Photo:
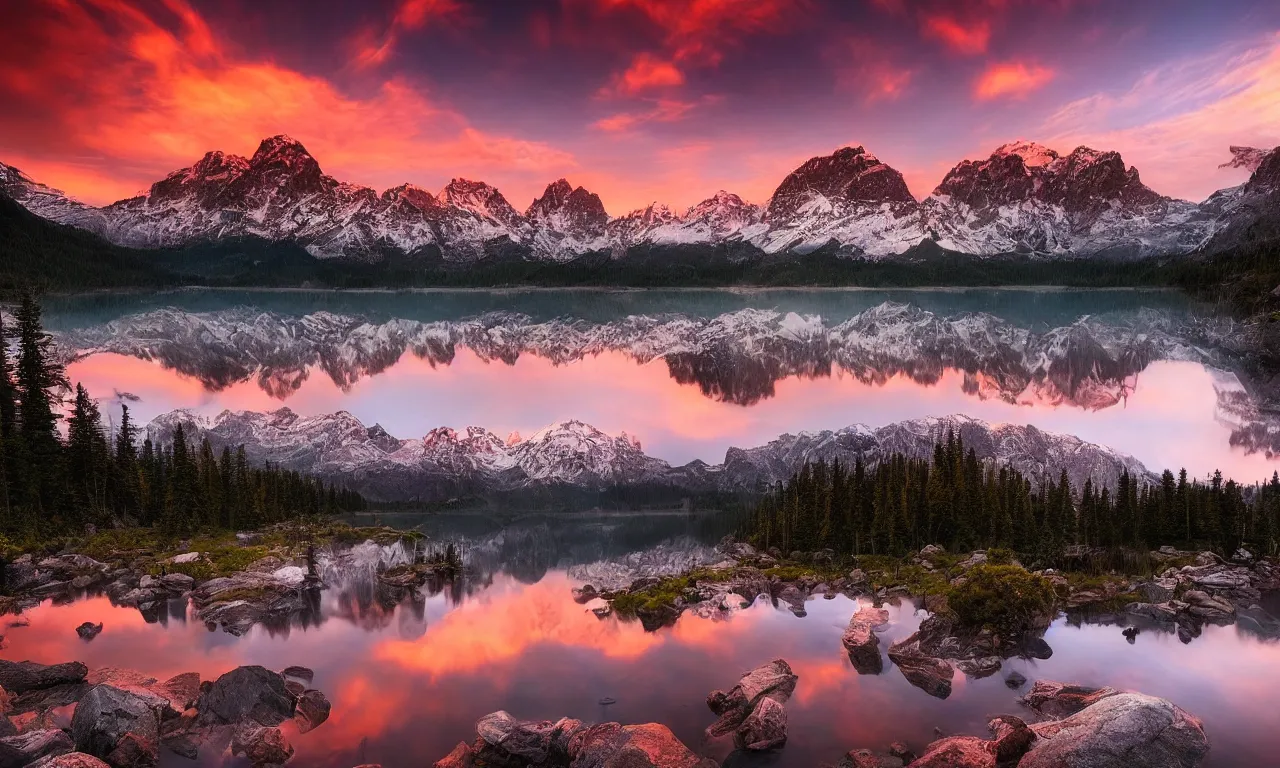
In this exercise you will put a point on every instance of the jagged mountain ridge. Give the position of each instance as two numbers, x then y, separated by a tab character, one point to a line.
445	463
734	357
1024	198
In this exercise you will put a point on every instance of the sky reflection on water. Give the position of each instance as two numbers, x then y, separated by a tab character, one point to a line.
408	683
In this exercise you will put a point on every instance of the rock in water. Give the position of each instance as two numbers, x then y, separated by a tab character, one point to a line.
89	630
460	757
1054	699
933	676
1124	730
106	715
312	710
22	676
261	746
753	709
635	746
957	752
247	693
861	642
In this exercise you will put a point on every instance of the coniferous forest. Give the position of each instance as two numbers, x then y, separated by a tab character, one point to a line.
54	485
955	500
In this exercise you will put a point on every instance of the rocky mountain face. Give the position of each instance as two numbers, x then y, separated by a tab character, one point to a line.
1026	197
445	463
1250	213
1023	198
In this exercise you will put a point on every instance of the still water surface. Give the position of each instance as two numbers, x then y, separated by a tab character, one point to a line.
409	682
690	373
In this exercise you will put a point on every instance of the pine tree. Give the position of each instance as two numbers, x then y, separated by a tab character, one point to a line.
39	378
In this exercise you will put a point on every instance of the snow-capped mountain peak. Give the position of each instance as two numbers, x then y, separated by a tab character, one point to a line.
1033	155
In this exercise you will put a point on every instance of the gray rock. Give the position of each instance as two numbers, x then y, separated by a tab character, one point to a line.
1153	611
634	746
983	666
301	674
462	756
1157	590
933	676
26	748
774	679
260	745
865	758
766	726
89	630
1013	737
956	752
1054	699
23	676
1125	730
246	693
1206	607
177	582
528	740
312	710
107	713
860	640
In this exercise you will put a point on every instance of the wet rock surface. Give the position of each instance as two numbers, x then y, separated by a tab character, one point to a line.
861	642
754	710
505	742
126	719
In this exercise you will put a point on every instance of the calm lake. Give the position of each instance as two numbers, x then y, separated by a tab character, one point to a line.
689	374
408	682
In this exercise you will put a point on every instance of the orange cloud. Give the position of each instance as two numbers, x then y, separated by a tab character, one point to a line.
120	86
965	39
665	111
1012	79
646	72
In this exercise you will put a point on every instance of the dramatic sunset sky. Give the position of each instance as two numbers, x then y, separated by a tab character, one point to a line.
637	100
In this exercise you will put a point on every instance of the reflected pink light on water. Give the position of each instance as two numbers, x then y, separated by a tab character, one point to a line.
1170	419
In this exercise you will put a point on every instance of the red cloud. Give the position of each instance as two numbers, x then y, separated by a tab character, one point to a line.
865	66
1014	79
699	29
967	39
647	71
117	88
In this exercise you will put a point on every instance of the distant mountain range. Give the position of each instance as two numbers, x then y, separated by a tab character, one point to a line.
1023	199
447	464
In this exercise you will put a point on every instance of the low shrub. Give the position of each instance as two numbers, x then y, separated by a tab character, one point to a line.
1003	598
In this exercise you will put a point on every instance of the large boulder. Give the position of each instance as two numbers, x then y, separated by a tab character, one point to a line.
107	714
462	756
635	746
753	709
22	676
957	752
1125	730
246	693
26	748
529	740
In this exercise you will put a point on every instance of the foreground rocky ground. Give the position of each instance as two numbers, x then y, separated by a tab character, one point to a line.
66	716
1059	725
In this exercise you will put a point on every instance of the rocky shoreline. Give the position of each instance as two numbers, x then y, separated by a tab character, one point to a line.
1188	591
1059	725
66	716
269	577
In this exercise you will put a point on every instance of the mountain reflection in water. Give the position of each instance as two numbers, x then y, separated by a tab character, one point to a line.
408	680
691	373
